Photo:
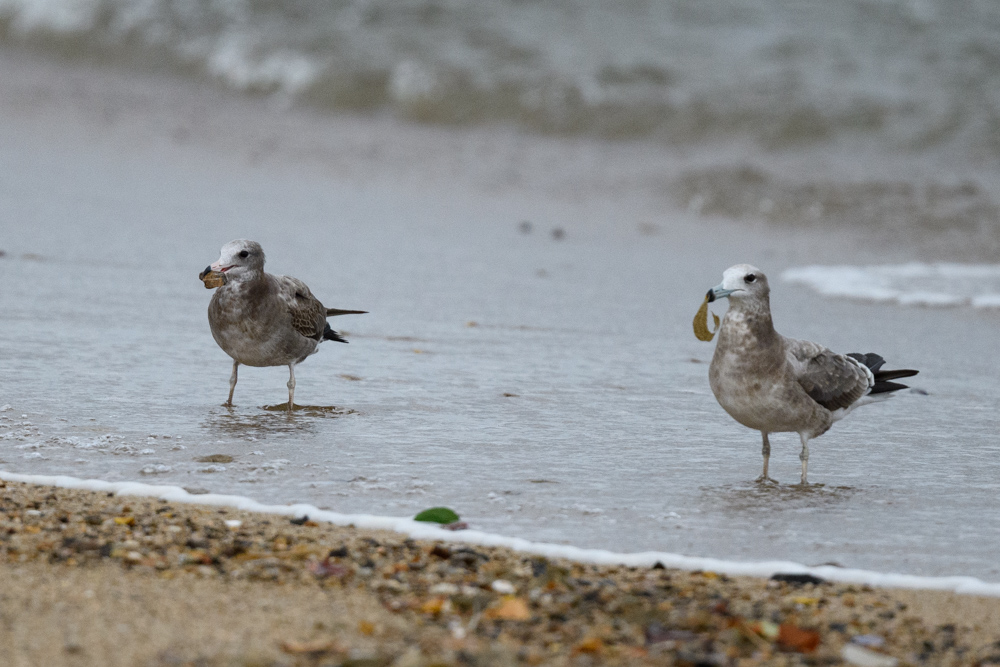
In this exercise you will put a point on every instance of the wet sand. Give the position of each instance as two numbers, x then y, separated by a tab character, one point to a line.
98	579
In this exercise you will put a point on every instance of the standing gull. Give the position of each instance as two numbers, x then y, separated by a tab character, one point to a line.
260	319
775	384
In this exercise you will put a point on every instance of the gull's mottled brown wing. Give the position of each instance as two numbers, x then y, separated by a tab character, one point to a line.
832	380
307	313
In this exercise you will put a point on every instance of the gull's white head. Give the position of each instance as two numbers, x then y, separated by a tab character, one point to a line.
741	283
239	258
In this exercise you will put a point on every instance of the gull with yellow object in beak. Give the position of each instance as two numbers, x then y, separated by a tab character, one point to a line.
260	319
774	384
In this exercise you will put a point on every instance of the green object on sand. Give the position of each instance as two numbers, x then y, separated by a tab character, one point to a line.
437	515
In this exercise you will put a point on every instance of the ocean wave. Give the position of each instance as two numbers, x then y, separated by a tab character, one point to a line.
911	74
913	284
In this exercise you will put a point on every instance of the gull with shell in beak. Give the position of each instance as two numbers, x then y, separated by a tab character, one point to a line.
775	384
260	319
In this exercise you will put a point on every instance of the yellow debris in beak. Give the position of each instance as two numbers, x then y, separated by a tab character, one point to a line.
212	279
701	322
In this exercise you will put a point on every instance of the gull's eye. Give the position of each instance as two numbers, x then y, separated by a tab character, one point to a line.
749	278
244	254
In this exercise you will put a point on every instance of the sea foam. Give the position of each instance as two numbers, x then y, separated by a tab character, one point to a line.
914	284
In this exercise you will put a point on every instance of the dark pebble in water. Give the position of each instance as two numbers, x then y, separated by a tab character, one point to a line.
524	227
659	566
196	490
797	579
300	521
558	233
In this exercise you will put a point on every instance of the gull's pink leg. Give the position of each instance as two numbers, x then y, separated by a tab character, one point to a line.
804	456
765	450
232	384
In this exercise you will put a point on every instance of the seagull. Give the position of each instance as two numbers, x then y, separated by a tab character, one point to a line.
260	319
775	384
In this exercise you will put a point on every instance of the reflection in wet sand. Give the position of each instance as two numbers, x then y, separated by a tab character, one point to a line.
753	496
311	410
244	425
274	421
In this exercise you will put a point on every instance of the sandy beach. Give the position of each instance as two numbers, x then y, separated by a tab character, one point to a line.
97	579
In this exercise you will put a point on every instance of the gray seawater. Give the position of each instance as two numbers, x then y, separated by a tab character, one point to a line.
545	388
915	75
914	82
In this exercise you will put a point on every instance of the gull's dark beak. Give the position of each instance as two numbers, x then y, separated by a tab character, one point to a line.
719	292
201	276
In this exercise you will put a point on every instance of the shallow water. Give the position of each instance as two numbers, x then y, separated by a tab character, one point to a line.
549	388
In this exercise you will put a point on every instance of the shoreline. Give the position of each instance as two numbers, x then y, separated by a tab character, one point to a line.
83	565
958	584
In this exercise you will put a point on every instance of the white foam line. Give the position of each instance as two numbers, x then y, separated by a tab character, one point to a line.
893	283
427	531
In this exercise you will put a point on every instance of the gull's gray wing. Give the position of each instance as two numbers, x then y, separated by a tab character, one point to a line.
307	313
833	380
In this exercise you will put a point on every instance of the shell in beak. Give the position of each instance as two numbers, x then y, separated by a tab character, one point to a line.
212	279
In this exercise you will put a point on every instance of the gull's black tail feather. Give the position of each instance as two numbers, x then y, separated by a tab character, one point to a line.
330	334
886	387
882	378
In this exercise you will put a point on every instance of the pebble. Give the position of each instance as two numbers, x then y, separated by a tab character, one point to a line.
872	641
502	586
444	588
858	655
